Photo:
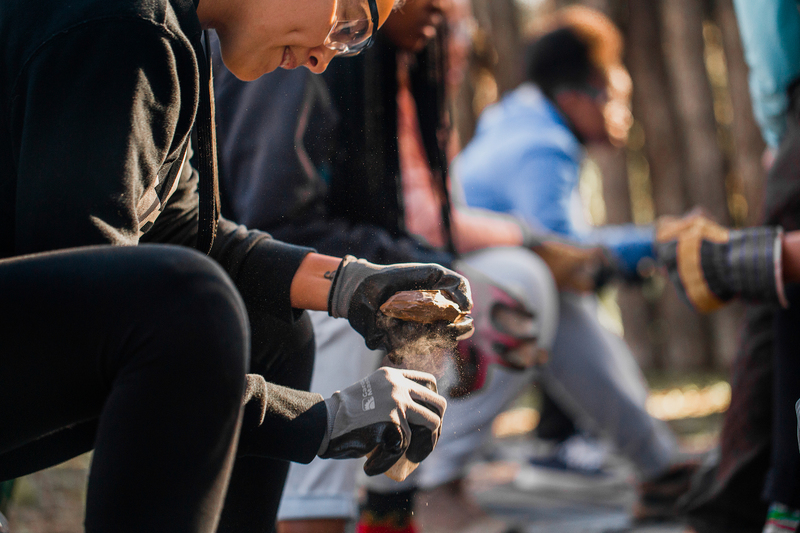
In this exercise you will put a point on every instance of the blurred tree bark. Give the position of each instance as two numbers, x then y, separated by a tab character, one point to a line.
703	163
680	338
747	140
499	20
495	62
652	108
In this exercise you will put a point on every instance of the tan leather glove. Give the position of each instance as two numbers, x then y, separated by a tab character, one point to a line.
710	264
575	268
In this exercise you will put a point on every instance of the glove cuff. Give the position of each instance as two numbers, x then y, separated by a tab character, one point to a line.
337	308
530	238
349	275
754	259
332	406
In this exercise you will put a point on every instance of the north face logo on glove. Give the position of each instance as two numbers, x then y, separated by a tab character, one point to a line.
368	404
368	400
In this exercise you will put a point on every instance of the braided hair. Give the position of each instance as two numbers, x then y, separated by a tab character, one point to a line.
365	182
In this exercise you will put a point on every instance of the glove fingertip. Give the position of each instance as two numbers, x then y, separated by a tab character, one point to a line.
380	460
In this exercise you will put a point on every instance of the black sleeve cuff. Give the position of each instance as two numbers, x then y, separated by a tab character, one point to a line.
261	267
281	423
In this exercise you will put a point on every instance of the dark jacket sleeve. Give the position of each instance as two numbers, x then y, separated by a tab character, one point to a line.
272	410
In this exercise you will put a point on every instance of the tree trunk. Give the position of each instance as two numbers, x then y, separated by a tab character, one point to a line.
636	312
704	167
747	140
494	64
652	108
499	20
680	337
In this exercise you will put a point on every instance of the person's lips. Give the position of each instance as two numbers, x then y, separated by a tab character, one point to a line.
289	61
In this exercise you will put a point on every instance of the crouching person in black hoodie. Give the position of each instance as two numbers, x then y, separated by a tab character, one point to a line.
178	367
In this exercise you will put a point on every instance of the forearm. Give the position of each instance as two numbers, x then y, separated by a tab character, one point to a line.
790	259
312	282
475	229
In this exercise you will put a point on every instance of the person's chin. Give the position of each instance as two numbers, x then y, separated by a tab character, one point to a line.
246	70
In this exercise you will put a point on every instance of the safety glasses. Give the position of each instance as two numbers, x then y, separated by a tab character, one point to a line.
350	36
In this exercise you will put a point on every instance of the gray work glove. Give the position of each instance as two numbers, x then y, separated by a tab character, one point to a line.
359	288
386	414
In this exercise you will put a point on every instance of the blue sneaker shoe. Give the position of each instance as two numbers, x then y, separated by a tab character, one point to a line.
578	463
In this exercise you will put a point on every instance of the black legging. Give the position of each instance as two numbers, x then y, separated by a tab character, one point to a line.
284	354
139	353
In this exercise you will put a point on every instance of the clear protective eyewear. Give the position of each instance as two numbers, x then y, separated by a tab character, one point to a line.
352	36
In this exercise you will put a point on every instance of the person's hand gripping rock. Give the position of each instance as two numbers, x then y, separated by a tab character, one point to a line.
389	414
359	288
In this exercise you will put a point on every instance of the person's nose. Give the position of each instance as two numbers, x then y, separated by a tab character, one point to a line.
318	59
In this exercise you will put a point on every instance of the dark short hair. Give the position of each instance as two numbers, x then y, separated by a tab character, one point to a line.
559	60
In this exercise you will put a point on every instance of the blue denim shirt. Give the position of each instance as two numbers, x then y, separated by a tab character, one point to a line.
524	160
770	33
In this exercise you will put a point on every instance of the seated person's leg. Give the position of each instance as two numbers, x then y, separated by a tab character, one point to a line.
586	375
150	345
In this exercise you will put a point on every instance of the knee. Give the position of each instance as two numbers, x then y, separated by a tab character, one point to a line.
526	277
203	325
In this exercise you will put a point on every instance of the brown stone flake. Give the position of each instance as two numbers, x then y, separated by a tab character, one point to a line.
425	306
